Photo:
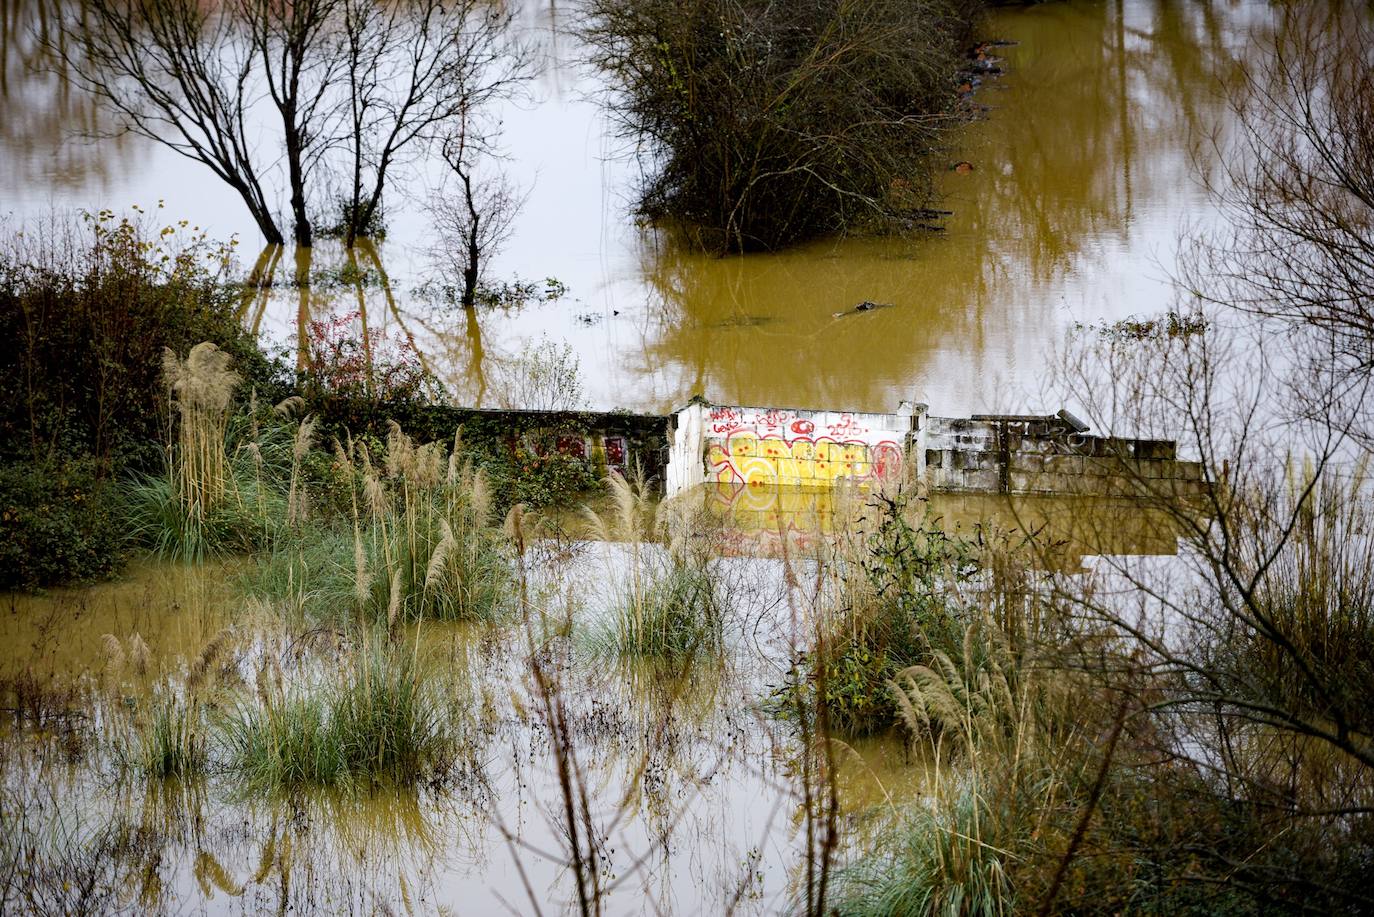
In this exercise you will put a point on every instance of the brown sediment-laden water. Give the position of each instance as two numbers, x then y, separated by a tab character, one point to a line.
1083	171
694	773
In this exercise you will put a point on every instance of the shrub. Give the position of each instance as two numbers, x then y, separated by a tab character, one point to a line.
894	600
58	523
88	309
346	364
765	123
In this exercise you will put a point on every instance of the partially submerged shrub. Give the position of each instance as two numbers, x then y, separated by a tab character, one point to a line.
345	362
375	721
764	123
894	599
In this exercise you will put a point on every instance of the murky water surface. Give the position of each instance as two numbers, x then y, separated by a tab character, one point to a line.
692	778
1082	177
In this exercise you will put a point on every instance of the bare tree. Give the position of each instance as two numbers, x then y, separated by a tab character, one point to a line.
473	217
181	74
293	42
414	69
371	82
1297	188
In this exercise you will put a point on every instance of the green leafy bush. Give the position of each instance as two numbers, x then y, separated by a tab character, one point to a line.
57	524
895	601
86	309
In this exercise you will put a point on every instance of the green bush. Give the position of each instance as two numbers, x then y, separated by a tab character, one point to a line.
86	309
57	524
894	604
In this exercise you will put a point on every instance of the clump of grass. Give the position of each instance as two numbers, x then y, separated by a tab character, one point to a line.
173	743
419	541
933	860
664	599
167	736
374	723
224	488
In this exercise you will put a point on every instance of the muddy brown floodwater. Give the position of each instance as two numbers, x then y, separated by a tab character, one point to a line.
692	778
1083	174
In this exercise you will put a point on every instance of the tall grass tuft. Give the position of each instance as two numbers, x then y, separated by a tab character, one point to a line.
172	744
420	542
1001	729
165	734
201	390
224	489
664	597
375	722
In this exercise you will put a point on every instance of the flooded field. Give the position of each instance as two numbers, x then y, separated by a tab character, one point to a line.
688	777
694	773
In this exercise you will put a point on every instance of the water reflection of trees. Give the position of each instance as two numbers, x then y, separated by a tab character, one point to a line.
286	289
1089	138
44	111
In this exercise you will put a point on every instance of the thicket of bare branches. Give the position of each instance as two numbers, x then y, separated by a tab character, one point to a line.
1248	660
1297	189
764	123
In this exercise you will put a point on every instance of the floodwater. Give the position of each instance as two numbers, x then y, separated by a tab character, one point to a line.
691	781
1083	176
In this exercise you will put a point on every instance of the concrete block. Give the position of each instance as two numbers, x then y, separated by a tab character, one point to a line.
1155	449
1065	464
1188	471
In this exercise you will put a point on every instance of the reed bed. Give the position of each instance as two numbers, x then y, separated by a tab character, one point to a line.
225	486
416	541
1007	783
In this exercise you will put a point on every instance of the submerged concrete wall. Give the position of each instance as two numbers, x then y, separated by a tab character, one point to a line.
771	447
758	449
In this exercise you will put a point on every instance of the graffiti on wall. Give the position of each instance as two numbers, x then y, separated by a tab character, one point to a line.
756	450
614	450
